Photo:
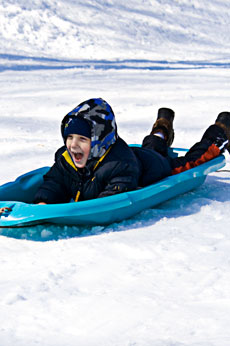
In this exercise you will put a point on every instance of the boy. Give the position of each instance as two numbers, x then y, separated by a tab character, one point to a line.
96	162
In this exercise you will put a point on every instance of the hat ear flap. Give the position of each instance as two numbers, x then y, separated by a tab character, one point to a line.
63	123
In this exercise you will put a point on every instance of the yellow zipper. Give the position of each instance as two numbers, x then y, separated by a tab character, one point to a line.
77	196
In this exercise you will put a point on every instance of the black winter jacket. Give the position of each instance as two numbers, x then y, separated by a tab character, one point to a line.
117	171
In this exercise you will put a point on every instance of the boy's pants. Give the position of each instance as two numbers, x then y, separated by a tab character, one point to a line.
212	144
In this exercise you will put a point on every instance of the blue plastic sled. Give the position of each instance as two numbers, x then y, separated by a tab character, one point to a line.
18	196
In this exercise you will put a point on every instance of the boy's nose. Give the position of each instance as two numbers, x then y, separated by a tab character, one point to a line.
75	140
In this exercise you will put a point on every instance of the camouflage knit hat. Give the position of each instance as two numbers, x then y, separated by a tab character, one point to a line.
101	119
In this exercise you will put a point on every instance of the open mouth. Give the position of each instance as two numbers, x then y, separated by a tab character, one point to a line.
77	156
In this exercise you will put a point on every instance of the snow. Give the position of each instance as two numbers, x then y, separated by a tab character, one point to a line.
161	278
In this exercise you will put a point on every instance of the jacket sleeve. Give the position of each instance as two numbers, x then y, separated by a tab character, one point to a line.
123	177
52	189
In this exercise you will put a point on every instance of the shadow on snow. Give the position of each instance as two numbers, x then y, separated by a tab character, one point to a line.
10	62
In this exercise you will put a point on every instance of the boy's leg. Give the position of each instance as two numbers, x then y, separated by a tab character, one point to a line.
162	134
223	120
214	141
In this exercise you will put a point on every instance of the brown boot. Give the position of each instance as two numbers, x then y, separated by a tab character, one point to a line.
164	124
223	121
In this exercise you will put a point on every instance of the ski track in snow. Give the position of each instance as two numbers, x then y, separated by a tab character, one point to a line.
25	63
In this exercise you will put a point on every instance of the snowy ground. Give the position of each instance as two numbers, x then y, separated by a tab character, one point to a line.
161	278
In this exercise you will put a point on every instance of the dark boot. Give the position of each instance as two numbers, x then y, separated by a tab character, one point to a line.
164	124
223	121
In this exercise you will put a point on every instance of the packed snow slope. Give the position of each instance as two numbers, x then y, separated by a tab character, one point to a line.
161	278
99	29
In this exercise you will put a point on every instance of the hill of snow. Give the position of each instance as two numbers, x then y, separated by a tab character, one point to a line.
161	278
102	29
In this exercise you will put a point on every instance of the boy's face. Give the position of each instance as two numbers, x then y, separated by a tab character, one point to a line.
79	148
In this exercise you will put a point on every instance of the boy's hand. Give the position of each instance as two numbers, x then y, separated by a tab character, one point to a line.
108	193
5	209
